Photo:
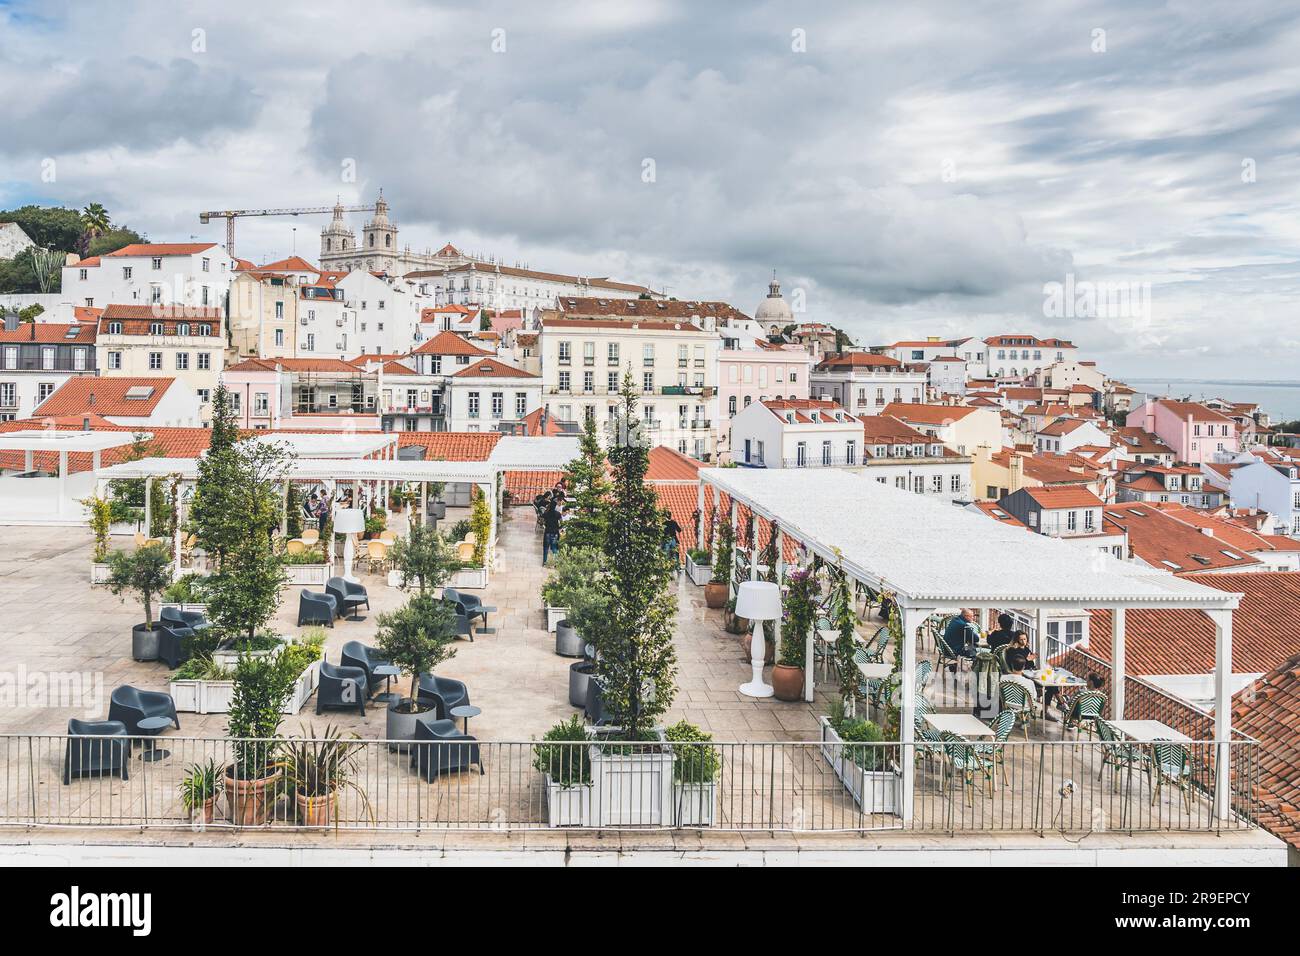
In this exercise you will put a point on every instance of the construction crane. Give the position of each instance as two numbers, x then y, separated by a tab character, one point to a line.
230	215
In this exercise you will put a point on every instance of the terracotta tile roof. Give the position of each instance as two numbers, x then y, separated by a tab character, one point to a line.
451	446
1064	497
1269	711
1264	631
397	368
449	343
291	264
85	313
1145	483
141	319
668	464
51	333
104	396
162	249
524	486
928	414
1139	440
1022	340
166	442
575	306
295	365
492	268
929	343
493	368
998	513
1062	426
532	423
1189	411
650	325
1017	394
1162	542
90	262
851	360
802	408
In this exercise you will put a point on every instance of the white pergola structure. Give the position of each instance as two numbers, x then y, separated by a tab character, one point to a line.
932	556
518	454
64	443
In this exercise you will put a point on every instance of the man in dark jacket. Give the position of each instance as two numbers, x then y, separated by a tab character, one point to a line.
1004	633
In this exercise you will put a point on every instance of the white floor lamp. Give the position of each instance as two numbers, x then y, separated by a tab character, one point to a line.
347	522
758	601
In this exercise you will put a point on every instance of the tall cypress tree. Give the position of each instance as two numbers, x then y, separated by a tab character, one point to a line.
587	482
214	500
636	661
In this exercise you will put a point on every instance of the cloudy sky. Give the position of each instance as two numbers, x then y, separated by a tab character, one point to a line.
905	171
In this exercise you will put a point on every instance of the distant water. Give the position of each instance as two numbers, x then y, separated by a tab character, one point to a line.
1280	399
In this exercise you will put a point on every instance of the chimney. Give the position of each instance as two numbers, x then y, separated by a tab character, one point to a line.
91	400
1016	468
11	321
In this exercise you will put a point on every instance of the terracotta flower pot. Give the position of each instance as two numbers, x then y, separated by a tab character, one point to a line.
250	801
787	682
715	595
316	811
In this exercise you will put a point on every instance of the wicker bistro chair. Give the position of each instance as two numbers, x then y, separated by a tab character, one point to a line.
927	740
964	759
1116	754
310	536
1003	724
377	553
924	671
388	537
877	646
1171	763
295	546
945	656
1015	698
1085	711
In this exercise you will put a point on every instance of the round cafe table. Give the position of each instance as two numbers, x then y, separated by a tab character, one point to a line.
149	727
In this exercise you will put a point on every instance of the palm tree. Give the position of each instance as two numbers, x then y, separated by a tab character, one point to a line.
94	223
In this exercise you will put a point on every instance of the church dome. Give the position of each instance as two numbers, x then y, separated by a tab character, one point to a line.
774	310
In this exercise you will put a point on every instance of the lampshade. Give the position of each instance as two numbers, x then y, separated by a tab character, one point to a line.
758	601
349	521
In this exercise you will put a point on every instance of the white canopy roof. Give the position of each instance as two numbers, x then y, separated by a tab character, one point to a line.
515	452
50	439
320	469
330	445
927	550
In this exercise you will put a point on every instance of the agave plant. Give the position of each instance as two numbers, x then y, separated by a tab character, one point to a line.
199	785
321	763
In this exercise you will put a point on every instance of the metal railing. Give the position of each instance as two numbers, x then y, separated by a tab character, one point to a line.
829	785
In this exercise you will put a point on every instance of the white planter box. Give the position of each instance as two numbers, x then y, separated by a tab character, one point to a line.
98	573
395	578
694	803
874	791
125	527
470	579
308	574
229	657
632	789
699	574
554	615
213	696
567	806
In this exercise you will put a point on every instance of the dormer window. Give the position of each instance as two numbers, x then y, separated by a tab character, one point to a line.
115	328
155	328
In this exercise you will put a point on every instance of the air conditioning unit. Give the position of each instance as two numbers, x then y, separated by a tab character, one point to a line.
339	346
303	320
339	323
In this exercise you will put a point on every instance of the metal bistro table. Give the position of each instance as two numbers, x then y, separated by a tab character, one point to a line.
387	672
152	726
465	712
963	725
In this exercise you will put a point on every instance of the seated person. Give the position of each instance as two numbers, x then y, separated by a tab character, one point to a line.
1004	632
1095	683
1015	672
962	634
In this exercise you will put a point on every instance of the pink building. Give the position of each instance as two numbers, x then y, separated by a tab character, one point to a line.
751	370
1195	433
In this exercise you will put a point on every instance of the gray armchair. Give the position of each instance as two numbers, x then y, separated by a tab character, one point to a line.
356	654
440	748
442	692
130	705
348	595
191	619
95	748
316	607
341	687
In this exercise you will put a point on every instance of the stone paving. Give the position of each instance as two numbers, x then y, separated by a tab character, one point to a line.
52	621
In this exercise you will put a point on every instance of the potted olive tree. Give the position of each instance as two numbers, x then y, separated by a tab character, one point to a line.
144	572
261	686
718	588
417	637
788	674
571	588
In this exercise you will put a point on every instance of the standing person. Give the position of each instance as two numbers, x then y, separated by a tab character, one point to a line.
550	530
322	514
671	530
